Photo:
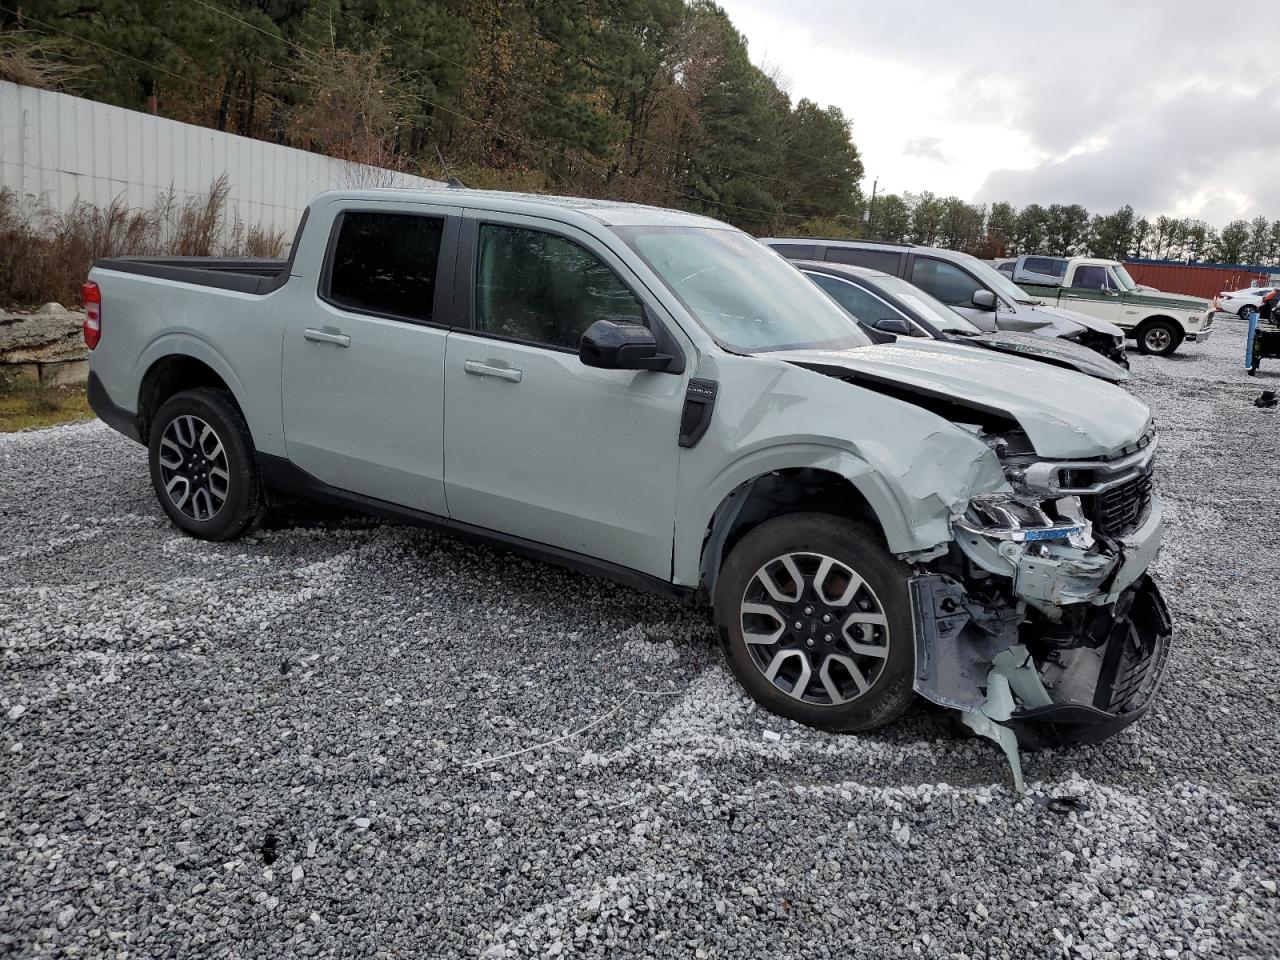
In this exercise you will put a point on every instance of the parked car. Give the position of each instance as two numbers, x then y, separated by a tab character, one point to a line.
888	307
969	285
1158	321
1241	302
654	397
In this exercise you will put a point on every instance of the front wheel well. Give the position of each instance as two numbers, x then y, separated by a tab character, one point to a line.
774	494
167	376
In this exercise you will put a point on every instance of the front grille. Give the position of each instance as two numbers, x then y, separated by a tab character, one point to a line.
1119	510
1208	321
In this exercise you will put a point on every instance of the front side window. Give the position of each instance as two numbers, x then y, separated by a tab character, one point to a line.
545	289
862	305
945	281
1090	278
386	263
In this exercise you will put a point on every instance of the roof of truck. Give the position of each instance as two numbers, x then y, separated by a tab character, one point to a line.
610	212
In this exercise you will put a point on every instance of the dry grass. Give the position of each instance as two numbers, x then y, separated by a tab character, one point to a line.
27	403
45	254
36	61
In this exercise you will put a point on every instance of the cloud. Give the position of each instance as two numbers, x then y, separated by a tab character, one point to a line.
929	148
1160	104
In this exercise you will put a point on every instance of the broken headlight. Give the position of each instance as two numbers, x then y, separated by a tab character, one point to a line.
1003	516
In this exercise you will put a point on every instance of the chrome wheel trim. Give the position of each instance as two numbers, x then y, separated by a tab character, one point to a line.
193	467
814	628
1157	339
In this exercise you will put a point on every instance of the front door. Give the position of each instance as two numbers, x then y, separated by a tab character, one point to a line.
955	287
364	359
1094	291
538	445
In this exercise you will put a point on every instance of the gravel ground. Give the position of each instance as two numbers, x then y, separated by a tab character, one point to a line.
332	739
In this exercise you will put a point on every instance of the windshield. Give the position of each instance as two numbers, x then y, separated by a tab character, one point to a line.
1122	275
742	293
933	310
993	278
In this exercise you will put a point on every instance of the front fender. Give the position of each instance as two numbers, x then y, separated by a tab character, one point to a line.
914	468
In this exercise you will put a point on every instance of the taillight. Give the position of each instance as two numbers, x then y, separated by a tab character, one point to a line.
91	298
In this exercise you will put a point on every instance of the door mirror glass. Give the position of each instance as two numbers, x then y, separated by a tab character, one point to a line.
621	345
894	325
984	299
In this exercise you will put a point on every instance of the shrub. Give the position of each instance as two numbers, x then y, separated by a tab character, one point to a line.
45	254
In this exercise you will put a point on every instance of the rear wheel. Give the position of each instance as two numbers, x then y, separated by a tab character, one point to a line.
1159	337
814	616
203	466
1244	311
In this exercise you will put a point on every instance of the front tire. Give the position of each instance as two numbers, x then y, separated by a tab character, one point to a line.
1243	312
815	619
203	466
1159	338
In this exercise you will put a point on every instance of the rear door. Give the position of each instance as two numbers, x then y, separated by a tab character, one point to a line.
364	356
538	445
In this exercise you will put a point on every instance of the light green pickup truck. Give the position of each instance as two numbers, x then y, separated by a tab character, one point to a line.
1158	321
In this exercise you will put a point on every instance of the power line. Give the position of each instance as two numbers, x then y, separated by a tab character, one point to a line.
507	133
476	71
120	53
493	127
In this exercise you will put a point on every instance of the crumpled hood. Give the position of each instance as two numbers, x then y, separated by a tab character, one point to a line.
1051	350
1065	414
1057	322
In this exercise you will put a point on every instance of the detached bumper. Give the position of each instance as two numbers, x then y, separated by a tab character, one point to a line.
1072	653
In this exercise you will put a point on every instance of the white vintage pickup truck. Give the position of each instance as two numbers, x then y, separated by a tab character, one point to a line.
1158	321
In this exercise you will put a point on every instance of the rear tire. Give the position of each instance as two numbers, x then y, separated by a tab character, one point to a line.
203	465
830	613
1243	312
1159	337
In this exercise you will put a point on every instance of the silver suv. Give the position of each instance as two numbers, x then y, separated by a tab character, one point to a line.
658	398
982	294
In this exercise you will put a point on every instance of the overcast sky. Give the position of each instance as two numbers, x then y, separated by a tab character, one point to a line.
1173	107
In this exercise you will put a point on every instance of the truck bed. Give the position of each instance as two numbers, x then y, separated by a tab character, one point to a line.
244	275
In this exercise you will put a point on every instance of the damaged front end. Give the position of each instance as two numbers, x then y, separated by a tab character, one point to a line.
1040	623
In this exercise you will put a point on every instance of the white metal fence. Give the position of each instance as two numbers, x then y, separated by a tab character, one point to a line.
57	149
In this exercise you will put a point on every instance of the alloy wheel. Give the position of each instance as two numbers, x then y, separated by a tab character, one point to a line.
1157	339
193	467
815	628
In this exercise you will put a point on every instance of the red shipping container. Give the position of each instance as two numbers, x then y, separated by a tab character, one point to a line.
1197	280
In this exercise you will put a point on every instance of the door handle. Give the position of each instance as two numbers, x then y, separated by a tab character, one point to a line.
323	336
478	369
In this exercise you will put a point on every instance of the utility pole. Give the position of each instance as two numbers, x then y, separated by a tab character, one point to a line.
871	207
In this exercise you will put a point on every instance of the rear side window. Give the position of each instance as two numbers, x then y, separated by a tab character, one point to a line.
386	263
885	260
545	289
796	251
945	281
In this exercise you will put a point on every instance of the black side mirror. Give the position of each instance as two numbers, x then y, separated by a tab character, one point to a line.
621	345
984	299
894	325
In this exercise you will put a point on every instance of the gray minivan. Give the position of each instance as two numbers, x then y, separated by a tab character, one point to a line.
974	288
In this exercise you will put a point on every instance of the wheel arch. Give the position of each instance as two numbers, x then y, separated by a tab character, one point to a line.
825	481
177	367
